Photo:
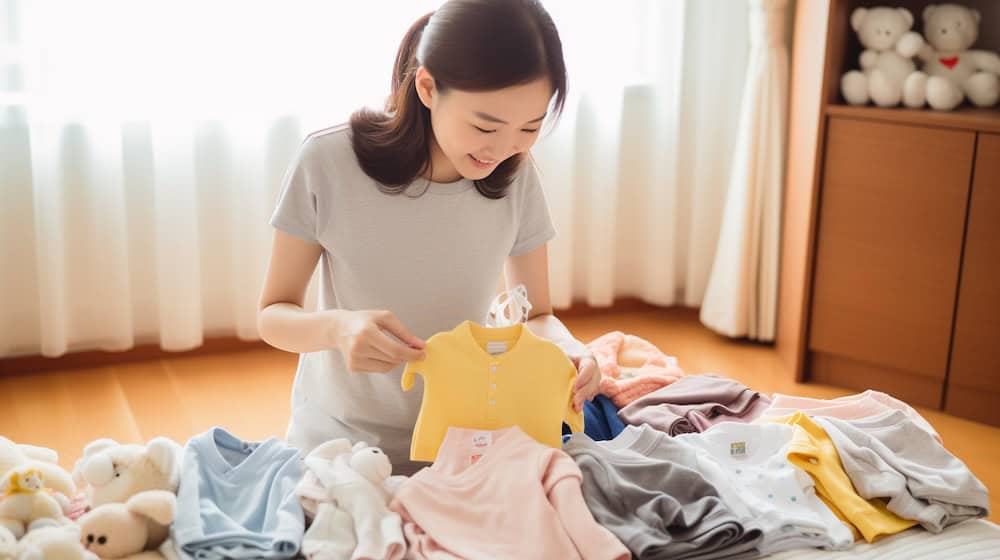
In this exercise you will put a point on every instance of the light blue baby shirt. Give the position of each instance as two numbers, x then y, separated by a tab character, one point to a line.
237	499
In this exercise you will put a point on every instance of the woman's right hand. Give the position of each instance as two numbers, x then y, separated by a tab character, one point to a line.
362	340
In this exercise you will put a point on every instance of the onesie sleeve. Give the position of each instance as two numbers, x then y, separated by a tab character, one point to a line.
534	225
413	368
561	480
296	209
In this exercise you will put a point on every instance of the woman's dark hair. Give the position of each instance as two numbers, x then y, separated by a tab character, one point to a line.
468	45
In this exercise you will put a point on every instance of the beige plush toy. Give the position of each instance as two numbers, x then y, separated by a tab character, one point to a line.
44	460
116	530
8	544
883	69
353	519
52	543
112	472
25	501
951	70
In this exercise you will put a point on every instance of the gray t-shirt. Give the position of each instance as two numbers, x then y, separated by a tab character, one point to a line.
434	260
892	456
645	488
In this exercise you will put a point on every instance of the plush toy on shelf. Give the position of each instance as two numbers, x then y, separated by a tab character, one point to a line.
951	71
883	68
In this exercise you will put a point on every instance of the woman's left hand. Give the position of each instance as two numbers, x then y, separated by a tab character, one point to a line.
588	381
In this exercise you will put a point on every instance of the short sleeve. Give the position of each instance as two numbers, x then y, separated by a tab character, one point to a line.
423	367
410	372
296	210
534	225
557	466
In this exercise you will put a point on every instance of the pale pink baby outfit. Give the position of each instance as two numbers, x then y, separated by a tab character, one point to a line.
852	407
500	494
631	367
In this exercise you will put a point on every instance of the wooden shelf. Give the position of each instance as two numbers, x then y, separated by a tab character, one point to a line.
964	118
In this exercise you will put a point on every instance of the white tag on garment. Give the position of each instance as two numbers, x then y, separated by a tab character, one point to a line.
738	449
482	440
495	348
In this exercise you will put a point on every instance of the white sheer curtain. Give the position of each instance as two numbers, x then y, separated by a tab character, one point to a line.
742	294
142	144
636	172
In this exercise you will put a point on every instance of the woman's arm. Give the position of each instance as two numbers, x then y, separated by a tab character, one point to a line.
360	335
532	270
281	320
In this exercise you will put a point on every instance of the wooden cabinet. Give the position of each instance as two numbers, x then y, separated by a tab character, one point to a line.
888	250
890	258
973	388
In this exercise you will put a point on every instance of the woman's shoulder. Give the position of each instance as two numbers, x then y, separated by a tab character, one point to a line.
527	178
330	151
330	141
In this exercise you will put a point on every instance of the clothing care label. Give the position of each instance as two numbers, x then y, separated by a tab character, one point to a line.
480	441
495	348
738	449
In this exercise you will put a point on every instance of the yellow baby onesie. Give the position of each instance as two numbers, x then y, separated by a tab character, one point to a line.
813	451
488	379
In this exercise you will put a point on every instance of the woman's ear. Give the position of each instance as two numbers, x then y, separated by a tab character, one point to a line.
426	89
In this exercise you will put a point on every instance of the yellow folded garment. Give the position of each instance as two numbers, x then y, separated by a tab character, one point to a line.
813	451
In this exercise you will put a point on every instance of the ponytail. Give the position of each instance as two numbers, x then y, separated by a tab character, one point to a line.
393	146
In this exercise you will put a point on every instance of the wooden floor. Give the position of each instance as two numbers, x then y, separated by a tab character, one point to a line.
248	392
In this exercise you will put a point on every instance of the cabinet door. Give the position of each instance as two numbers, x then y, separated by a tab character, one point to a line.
974	378
891	218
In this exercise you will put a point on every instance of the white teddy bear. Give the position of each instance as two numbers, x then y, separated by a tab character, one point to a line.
27	502
951	72
122	530
883	69
353	520
51	543
111	472
42	459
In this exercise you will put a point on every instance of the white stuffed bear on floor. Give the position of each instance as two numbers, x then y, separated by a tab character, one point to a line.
113	473
353	520
44	460
883	69
951	72
50	543
26	502
116	530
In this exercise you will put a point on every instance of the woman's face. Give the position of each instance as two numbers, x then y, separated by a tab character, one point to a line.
476	131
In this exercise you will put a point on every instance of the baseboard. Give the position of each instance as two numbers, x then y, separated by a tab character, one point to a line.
140	353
